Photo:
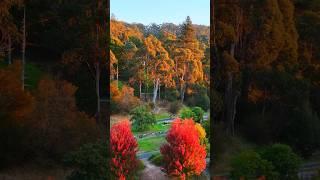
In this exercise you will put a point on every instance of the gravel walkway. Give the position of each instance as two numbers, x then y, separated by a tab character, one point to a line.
152	172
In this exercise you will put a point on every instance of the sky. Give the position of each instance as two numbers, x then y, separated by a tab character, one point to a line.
160	11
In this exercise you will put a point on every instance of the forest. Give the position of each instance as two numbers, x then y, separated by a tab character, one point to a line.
161	61
243	94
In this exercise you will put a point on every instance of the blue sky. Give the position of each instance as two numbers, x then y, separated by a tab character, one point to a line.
159	11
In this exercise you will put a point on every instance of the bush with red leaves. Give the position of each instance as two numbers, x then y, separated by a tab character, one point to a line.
124	149
183	155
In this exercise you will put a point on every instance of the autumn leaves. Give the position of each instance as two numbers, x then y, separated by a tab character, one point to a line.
160	59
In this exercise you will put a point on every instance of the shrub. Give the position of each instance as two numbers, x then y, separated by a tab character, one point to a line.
183	155
249	165
124	148
16	106
198	114
89	162
199	97
187	113
58	126
206	126
285	161
151	105
174	107
201	131
142	118
202	136
171	95
122	99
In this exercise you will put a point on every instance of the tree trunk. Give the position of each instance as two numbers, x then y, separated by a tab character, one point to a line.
182	92
214	63
155	91
236	95
9	50
228	103
159	92
231	97
117	74
232	48
98	86
140	88
23	48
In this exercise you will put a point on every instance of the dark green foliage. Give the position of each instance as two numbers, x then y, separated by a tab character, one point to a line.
138	43
142	118
198	114
78	74
33	75
249	165
285	161
199	98
89	162
206	126
284	115
171	94
187	113
303	132
174	107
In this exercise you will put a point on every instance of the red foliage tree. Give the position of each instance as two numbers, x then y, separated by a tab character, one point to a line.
183	154
124	148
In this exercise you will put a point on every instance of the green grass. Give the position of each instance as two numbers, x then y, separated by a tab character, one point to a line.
151	144
161	116
156	128
160	127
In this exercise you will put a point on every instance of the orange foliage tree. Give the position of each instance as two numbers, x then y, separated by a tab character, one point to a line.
183	154
16	106
124	148
159	63
187	56
56	118
123	97
14	102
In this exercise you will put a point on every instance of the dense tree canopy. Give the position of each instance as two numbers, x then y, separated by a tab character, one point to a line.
267	70
164	56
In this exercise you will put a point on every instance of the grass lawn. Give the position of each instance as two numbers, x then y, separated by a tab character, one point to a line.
160	127
151	144
161	116
156	128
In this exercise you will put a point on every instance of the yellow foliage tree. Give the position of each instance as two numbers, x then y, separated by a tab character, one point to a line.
202	132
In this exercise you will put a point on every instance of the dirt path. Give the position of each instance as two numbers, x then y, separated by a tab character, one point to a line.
152	172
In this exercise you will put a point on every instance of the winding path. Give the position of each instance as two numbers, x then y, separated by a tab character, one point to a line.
152	172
